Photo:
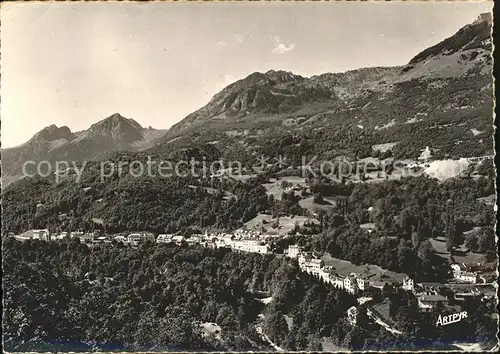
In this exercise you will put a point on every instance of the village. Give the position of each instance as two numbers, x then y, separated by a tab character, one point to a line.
467	280
246	184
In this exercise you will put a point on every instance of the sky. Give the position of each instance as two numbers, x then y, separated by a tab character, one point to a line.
73	64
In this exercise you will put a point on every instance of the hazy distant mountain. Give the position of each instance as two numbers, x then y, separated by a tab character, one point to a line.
53	143
441	98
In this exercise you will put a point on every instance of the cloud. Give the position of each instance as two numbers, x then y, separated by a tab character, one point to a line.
280	47
221	43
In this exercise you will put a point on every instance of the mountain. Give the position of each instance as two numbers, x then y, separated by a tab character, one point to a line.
52	143
263	93
441	98
476	35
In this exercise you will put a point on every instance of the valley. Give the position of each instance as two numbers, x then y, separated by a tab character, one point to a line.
340	211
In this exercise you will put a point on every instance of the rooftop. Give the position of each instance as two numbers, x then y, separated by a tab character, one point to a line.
432	298
428	285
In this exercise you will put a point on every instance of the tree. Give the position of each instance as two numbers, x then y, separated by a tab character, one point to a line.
471	242
355	338
487	240
406	259
318	199
275	327
362	319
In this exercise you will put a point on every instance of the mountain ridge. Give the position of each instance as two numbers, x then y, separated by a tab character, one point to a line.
281	92
441	97
443	94
52	143
474	35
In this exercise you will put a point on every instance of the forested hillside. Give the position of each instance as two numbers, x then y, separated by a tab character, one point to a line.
67	296
132	203
406	213
156	298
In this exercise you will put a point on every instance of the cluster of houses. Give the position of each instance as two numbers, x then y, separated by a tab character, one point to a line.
352	283
293	188
429	297
40	234
468	273
238	241
427	294
248	241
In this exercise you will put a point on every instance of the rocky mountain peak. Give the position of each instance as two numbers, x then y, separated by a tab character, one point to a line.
484	17
114	133
281	76
476	35
117	127
52	133
117	119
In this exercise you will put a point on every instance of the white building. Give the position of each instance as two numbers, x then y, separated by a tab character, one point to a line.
350	284
178	239
425	155
362	283
324	275
100	239
337	281
120	238
456	268
469	277
352	315
429	302
249	246
164	238
134	239
194	239
42	234
62	235
408	284
148	236
137	237
293	251
312	266
462	273
219	243
302	259
86	237
264	249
